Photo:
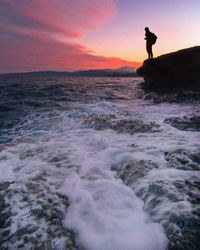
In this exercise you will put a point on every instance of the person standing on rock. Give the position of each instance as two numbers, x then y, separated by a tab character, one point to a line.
150	40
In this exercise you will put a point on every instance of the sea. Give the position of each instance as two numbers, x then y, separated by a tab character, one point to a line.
92	164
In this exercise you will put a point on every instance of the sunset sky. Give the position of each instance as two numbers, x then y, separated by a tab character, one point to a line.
89	34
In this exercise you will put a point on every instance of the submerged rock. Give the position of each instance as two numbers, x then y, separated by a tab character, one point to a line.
182	159
132	171
185	123
170	195
31	217
171	72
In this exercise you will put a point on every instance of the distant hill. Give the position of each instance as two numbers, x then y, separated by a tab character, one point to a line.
120	72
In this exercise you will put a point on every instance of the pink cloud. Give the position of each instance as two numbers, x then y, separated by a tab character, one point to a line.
44	54
64	16
32	32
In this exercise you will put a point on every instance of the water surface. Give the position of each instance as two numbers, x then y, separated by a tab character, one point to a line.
87	163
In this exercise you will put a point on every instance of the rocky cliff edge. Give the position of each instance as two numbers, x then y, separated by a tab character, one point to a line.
171	72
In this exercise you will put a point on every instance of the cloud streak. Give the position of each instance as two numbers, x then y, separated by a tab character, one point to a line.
44	34
45	54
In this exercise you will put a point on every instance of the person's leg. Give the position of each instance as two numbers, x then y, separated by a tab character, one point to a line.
148	50
151	52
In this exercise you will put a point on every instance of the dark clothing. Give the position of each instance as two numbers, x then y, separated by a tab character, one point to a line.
148	38
149	49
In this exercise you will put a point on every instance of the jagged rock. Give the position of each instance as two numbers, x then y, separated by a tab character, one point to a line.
171	72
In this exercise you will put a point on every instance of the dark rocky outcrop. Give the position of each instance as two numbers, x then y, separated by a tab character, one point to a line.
178	70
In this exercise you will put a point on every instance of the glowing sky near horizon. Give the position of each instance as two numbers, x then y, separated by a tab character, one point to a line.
88	34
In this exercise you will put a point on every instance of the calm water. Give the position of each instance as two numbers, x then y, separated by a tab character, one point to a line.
87	163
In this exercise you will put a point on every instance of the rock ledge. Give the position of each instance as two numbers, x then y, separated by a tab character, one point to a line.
171	72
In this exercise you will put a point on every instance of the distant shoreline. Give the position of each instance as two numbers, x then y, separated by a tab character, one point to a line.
121	72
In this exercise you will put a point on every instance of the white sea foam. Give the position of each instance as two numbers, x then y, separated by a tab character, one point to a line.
107	215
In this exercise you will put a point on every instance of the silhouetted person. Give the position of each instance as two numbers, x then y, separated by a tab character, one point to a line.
150	40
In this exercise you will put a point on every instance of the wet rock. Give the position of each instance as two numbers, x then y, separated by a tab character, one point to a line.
173	97
29	229
132	171
185	123
168	201
25	239
188	227
182	159
4	185
121	126
39	213
99	122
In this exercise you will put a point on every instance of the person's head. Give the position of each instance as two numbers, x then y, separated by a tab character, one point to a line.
146	29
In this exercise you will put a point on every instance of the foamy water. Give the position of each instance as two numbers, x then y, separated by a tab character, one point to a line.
88	164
